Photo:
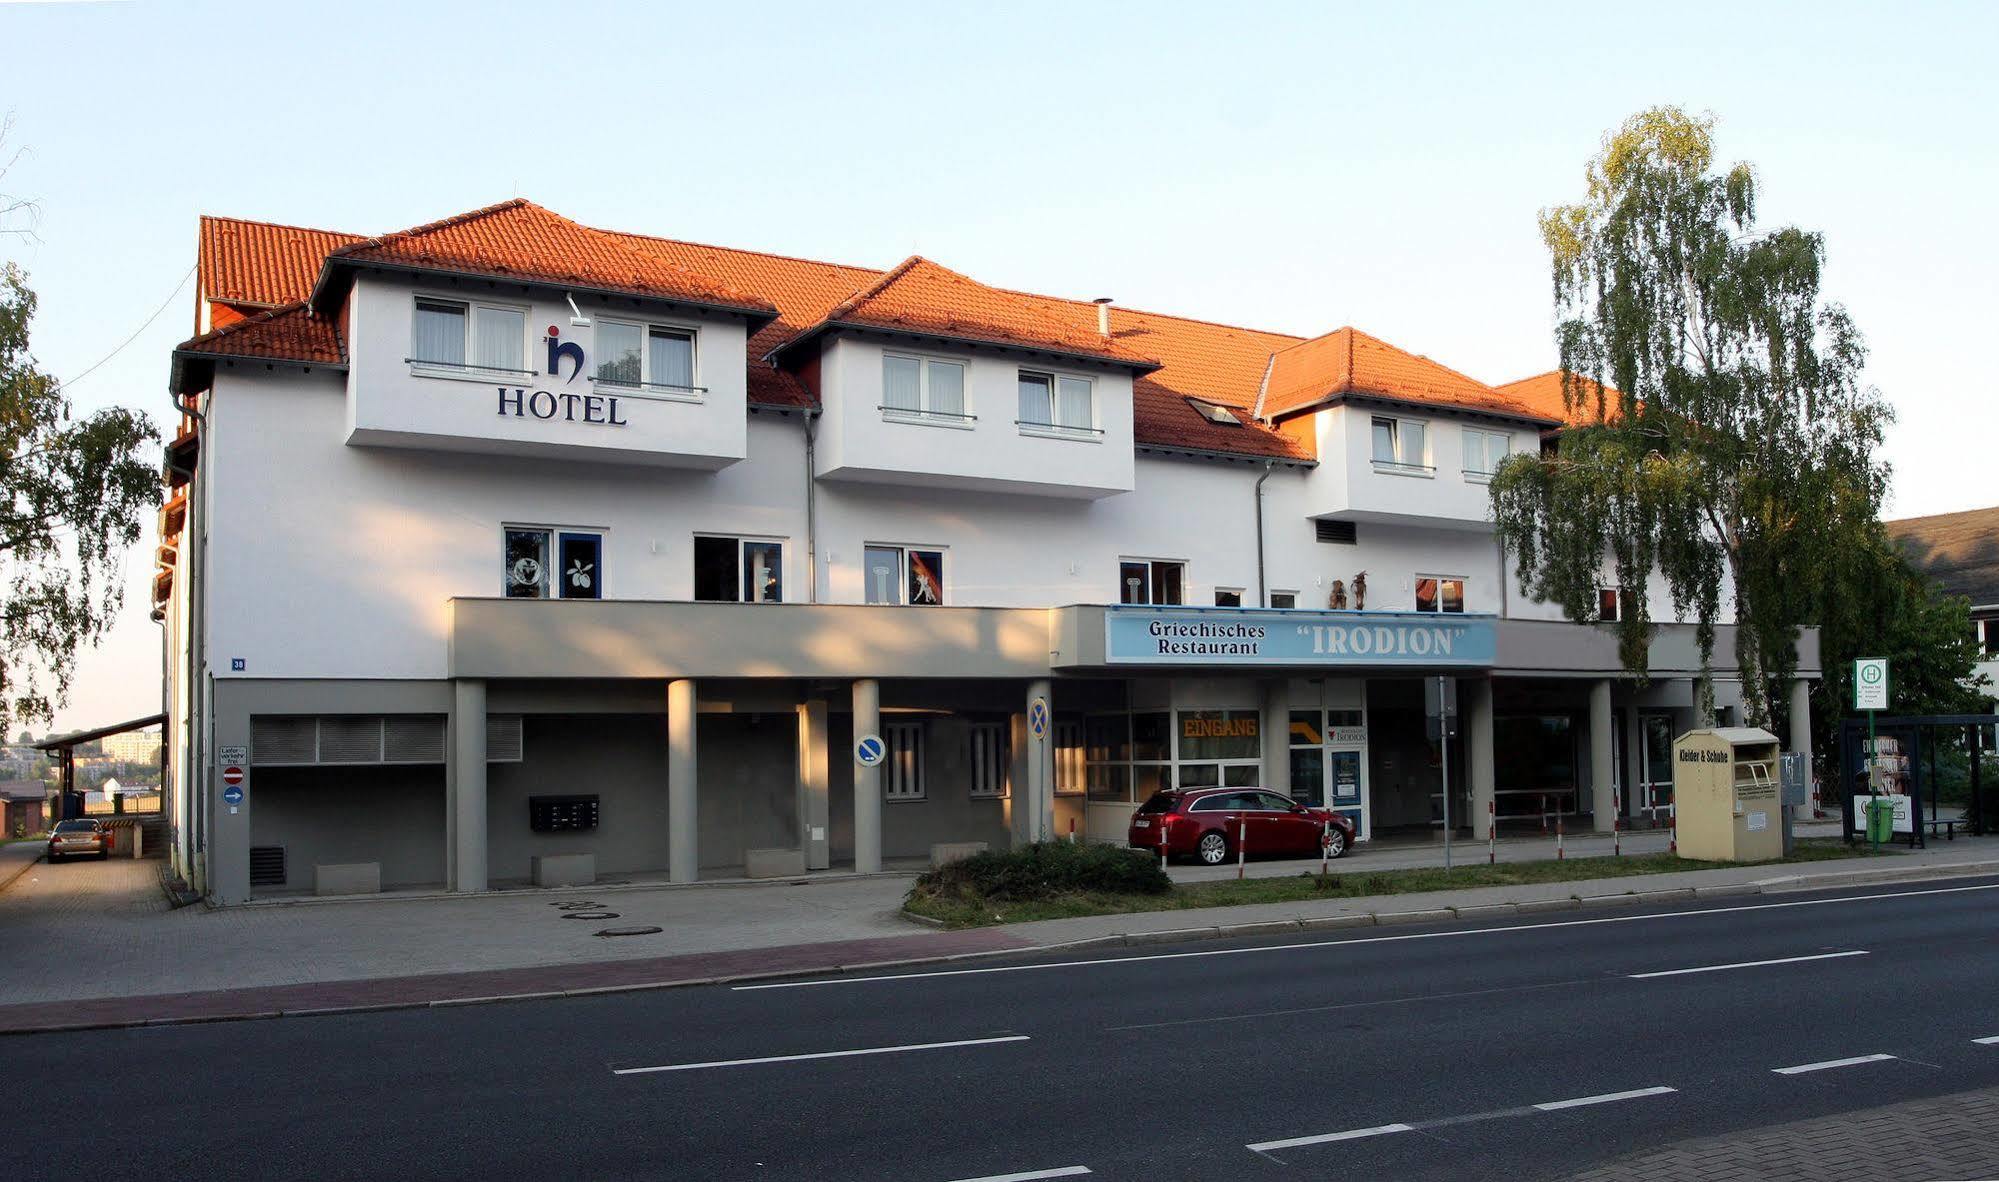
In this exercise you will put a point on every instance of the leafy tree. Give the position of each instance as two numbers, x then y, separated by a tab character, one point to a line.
1726	440
73	495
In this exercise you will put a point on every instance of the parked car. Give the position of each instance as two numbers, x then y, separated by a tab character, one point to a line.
1208	823
79	835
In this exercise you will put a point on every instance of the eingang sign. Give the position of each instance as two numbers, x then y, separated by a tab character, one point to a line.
1229	636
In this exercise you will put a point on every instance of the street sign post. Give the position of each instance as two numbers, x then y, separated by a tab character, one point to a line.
1440	702
1870	693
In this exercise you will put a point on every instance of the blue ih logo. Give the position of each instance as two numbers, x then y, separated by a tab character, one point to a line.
558	349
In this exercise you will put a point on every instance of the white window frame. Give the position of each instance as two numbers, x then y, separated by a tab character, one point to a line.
549	588
469	372
1235	591
1091	432
1464	588
647	388
741	541
1483	475
1422	468
1072	777
1151	580
1275	592
986	749
902	782
1617	601
925	415
902	550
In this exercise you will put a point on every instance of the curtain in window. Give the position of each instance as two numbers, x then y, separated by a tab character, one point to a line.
497	338
1411	439
1454	595
618	353
1035	404
440	333
947	388
1072	403
902	384
1384	441
672	358
1426	595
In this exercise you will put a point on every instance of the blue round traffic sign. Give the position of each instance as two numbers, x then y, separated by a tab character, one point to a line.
1037	717
233	794
869	751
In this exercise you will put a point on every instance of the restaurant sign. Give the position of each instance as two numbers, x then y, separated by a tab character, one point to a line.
1235	636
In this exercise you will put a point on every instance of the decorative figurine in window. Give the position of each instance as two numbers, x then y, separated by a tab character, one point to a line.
1360	591
579	573
526	572
1338	599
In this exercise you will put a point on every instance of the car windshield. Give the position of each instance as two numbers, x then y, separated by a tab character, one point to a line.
1161	802
75	826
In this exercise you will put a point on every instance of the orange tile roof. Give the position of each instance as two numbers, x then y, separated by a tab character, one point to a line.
289	332
919	296
1543	392
520	240
1348	361
244	262
1218	363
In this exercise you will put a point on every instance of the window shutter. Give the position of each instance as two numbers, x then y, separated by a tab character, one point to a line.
413	738
350	739
503	738
278	739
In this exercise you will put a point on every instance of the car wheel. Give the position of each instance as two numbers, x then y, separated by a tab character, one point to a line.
1336	842
54	857
1213	848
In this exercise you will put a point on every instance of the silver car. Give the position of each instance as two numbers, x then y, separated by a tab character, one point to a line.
79	835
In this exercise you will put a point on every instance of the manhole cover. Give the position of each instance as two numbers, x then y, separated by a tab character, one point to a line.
645	931
590	915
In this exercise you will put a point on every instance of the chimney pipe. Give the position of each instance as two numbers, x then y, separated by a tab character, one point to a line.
1103	304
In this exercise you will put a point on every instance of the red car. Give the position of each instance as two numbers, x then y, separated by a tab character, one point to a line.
1207	823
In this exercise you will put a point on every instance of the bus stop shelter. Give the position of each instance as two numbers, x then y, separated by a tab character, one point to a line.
1921	764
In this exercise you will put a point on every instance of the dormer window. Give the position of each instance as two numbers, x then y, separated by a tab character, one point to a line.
924	390
1056	404
647	357
458	336
1402	446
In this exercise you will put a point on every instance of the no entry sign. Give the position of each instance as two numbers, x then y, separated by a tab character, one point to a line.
232	776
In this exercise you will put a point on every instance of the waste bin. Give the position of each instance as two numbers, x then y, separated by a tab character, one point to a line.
1880	819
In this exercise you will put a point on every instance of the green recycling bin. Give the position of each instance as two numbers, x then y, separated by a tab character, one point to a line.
1880	819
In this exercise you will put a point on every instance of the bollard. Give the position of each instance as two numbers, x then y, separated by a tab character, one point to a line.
1162	845
1544	812
1616	837
1241	844
1491	833
1558	839
1072	831
1673	836
1325	848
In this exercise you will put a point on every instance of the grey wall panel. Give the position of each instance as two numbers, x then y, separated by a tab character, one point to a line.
391	815
621	759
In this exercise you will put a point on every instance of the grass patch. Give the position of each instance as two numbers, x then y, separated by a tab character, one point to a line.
957	901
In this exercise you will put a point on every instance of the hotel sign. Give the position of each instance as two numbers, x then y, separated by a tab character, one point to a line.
1231	636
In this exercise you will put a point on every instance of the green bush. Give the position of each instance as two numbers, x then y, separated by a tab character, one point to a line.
1047	869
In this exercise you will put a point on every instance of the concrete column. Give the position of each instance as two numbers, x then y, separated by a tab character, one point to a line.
867	782
1275	727
465	789
1801	738
1040	751
683	784
1602	777
814	811
1475	700
228	855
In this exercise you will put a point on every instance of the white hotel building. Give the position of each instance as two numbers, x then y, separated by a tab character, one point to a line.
506	538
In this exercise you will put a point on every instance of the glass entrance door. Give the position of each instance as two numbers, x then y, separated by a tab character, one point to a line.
1329	764
1656	791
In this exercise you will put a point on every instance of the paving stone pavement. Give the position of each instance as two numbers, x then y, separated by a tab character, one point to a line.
1945	1137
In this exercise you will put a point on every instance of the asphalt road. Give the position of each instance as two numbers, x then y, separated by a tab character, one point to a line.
1221	1060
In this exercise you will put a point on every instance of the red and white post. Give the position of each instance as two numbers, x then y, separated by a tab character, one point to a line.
1559	830
1325	848
1241	844
1617	837
1072	831
1491	833
1162	844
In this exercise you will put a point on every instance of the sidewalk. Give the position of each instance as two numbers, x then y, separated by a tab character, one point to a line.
130	960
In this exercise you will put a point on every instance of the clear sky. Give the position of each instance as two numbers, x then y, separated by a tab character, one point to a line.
1293	167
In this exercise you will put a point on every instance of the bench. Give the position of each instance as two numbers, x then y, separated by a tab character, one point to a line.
1949	827
775	863
560	870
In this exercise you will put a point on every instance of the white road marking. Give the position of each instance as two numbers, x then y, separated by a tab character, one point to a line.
1324	1138
1742	964
919	1046
1986	1042
1030	1175
1801	1068
1606	1098
1338	943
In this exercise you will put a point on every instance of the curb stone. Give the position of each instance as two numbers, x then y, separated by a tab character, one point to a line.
1172	935
1433	915
1267	927
1487	911
1529	906
1357	919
